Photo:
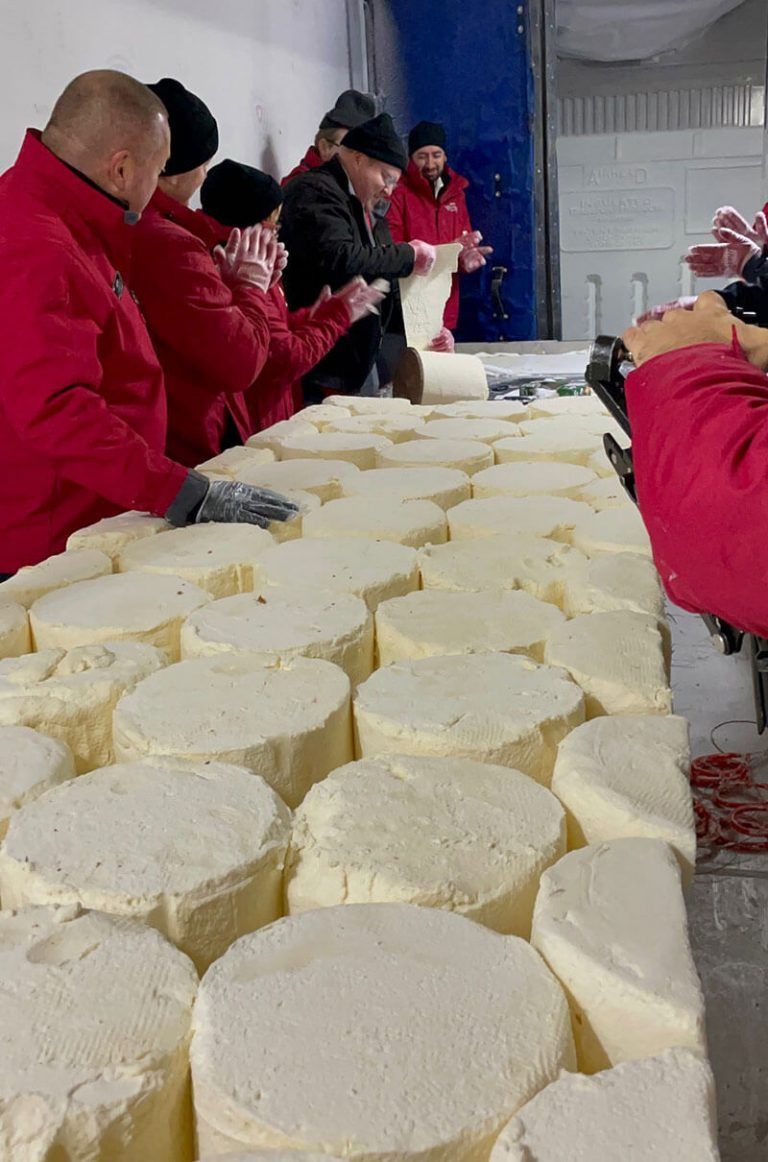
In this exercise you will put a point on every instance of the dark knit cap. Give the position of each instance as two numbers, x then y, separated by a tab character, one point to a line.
239	195
378	138
351	109
424	134
194	132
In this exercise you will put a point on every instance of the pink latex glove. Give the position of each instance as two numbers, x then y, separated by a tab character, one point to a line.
360	299
724	258
727	218
424	255
281	261
473	258
470	239
683	304
248	257
443	341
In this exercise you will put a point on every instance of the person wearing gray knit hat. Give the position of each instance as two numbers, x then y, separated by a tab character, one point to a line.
351	109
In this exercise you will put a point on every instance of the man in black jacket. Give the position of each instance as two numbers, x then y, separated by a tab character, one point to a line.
332	235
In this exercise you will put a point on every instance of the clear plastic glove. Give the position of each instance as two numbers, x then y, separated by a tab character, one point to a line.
473	258
727	218
443	341
360	299
470	239
232	502
424	255
710	321
725	258
281	261
248	257
682	304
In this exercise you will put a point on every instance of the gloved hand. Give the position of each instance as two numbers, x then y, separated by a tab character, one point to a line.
425	257
725	258
727	218
281	261
360	299
248	257
682	304
470	239
443	341
232	502
710	321
472	258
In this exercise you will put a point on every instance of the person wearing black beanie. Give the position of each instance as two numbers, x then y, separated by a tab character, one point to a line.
239	195
208	322
352	108
430	202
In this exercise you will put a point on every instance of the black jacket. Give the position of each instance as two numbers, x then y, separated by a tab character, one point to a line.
749	299
323	225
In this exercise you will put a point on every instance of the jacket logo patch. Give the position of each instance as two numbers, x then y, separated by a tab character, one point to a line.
118	284
452	207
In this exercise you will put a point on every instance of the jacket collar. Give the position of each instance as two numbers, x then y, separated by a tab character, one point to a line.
194	221
452	183
80	204
312	158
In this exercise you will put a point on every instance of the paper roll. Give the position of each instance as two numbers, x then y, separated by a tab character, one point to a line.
437	377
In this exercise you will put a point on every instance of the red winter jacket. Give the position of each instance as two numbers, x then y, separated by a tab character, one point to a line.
212	342
415	212
700	445
82	404
310	160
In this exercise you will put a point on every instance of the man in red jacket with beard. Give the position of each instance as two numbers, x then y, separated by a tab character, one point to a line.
82	403
430	203
209	324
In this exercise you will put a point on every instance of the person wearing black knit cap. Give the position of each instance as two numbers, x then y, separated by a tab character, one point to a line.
430	203
238	195
332	234
208	321
352	108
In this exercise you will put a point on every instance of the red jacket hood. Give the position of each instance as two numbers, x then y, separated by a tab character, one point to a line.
452	182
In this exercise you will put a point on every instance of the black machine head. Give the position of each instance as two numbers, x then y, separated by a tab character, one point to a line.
609	362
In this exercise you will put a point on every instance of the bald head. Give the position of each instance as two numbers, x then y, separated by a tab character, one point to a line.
114	130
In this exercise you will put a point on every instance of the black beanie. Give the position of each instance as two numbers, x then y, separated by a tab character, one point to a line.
194	132
378	138
351	109
424	134
239	195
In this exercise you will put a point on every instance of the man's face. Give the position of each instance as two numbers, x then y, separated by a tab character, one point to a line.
373	180
430	162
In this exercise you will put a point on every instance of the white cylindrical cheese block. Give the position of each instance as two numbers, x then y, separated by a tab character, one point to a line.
321	478
366	405
276	1155
628	775
15	636
387	518
449	377
550	442
437	1029
614	530
605	492
54	573
70	695
274	436
115	533
532	478
140	607
356	448
597	424
445	487
497	708
291	530
658	1109
433	622
482	409
541	516
558	406
219	558
276	625
618	660
610	921
288	722
233	461
94	1039
195	851
537	565
614	581
372	570
398	427
321	414
467	455
359	837
485	431
30	763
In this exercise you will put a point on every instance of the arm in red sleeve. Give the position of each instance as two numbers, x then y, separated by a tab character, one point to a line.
223	334
298	342
51	386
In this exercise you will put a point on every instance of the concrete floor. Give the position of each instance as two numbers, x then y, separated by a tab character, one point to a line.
728	904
